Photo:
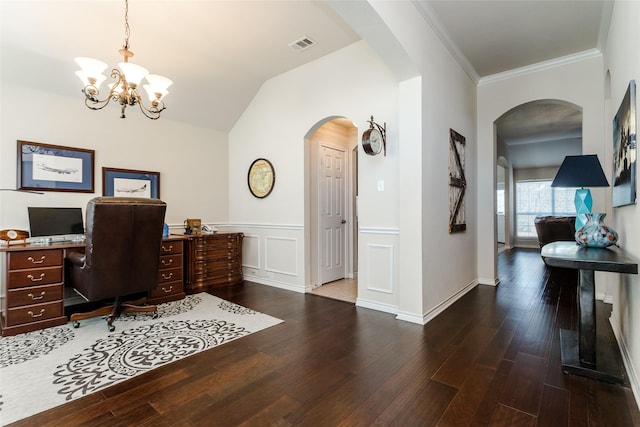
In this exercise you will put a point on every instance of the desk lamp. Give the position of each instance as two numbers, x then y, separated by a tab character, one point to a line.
581	171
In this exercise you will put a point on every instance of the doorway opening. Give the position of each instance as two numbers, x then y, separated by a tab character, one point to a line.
331	222
532	140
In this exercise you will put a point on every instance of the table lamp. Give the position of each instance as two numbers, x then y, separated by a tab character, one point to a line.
581	171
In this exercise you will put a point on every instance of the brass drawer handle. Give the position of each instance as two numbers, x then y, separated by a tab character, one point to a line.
167	277
30	313
169	249
167	291
35	298
170	261
33	261
33	279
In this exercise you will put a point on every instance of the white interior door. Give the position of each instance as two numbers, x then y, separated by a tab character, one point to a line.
332	188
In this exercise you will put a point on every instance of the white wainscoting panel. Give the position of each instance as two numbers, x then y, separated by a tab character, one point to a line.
272	254
380	268
281	254
251	251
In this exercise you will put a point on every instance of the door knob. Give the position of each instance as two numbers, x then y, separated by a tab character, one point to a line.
344	221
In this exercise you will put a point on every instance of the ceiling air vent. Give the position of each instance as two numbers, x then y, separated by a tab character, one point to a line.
302	44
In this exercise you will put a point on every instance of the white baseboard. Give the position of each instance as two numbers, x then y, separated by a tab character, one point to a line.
385	308
277	284
431	314
416	317
410	317
488	282
626	359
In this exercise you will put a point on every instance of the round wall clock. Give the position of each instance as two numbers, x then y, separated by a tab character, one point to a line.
372	141
261	178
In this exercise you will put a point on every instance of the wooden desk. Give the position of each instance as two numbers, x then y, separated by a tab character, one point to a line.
33	287
579	349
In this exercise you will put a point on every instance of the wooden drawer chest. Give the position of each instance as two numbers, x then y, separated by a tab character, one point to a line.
170	273
33	290
214	260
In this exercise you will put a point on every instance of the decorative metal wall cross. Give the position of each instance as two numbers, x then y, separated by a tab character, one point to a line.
457	182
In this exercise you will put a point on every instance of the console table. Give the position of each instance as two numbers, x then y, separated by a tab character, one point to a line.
579	348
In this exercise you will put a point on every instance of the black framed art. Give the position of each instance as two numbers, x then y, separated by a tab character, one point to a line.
130	183
46	167
624	150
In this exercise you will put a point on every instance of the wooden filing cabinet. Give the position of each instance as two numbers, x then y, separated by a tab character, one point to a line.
170	273
214	260
33	290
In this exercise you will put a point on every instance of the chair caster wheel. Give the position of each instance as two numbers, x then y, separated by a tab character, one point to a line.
155	315
76	324
112	328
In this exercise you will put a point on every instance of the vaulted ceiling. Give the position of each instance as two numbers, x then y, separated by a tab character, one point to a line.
219	52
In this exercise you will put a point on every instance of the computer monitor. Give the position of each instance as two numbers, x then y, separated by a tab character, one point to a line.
56	223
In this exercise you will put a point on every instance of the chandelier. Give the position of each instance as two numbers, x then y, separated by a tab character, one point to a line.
127	80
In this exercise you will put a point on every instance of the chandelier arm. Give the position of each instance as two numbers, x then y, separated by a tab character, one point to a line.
96	104
150	113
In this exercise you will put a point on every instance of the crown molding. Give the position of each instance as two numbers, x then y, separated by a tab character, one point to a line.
438	28
605	23
545	65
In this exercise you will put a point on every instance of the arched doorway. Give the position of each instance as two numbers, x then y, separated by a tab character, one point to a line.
331	229
532	141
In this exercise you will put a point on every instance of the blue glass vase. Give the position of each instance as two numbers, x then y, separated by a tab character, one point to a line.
595	234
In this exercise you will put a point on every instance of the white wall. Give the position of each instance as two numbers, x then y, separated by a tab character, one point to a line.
351	83
448	100
575	82
408	220
192	161
403	229
624	65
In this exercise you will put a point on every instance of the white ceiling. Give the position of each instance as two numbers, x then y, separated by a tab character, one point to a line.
219	52
491	39
498	36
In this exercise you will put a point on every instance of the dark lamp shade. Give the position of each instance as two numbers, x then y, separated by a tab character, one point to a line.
580	171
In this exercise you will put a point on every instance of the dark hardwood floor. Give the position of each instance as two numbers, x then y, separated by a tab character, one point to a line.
493	358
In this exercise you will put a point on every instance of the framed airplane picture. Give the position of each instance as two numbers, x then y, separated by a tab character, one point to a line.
46	167
130	183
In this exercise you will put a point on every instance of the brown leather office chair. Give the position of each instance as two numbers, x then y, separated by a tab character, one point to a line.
122	253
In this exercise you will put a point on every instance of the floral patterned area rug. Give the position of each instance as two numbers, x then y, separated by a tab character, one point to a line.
43	369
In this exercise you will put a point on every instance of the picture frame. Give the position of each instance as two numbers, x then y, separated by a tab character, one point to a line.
457	182
130	183
624	150
261	178
47	167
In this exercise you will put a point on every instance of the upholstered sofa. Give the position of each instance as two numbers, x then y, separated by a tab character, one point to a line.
555	228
